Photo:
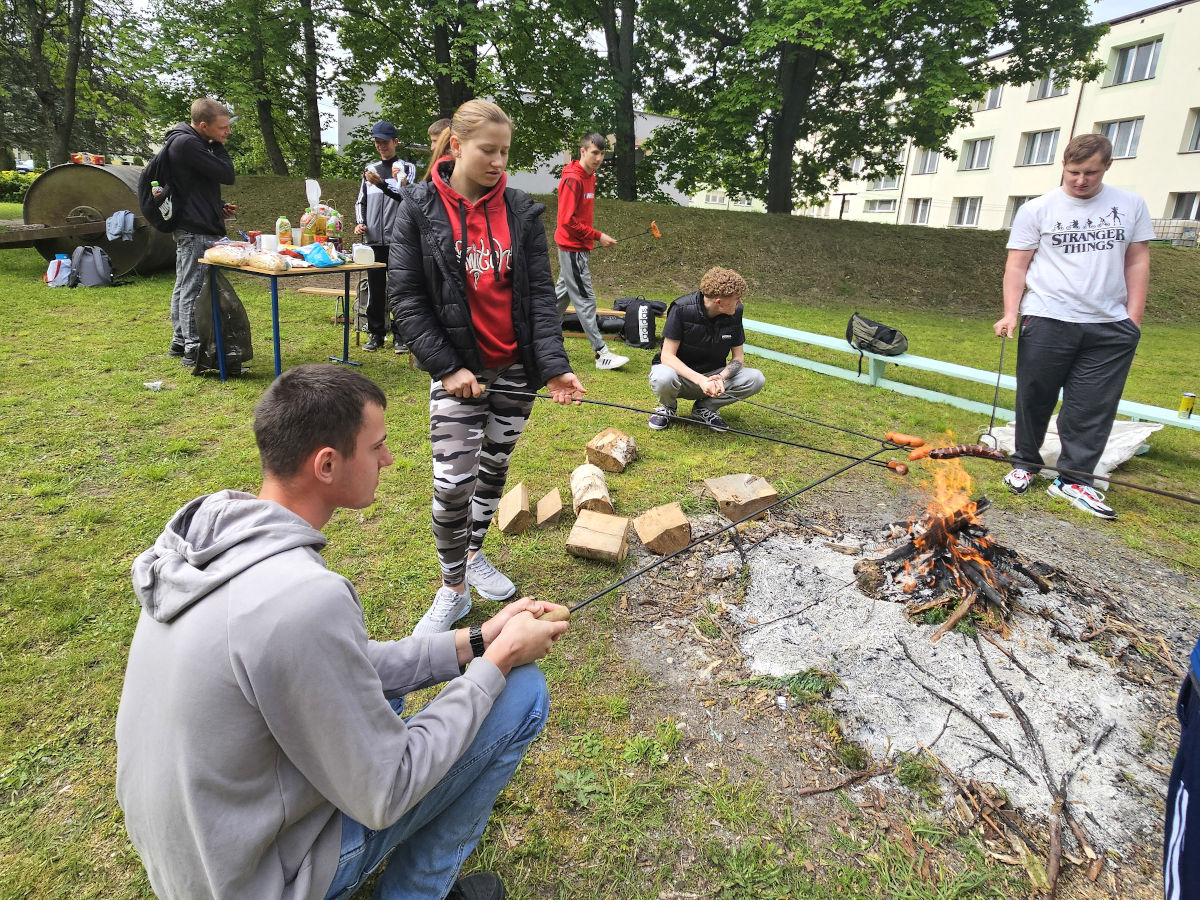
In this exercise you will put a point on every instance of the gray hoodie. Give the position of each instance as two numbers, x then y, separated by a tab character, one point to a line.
255	708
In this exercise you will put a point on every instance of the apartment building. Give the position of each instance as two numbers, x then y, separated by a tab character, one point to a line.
1147	101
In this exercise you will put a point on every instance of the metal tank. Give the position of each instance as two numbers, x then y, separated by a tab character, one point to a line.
67	205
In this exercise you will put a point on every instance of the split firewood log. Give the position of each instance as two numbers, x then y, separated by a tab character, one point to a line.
664	529
589	490
513	515
611	450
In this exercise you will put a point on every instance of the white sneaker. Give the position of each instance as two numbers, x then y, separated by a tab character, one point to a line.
1018	480
606	359
491	583
1083	497
448	607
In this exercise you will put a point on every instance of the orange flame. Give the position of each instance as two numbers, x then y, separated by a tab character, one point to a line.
951	488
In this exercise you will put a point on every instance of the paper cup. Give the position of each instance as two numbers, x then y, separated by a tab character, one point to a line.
270	243
295	237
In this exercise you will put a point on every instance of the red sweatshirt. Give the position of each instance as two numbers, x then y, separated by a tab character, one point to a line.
576	198
487	264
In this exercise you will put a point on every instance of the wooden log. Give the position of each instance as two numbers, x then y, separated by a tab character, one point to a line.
513	515
549	509
664	529
589	490
741	495
598	535
611	450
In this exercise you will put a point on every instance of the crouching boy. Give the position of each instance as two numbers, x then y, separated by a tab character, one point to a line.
702	356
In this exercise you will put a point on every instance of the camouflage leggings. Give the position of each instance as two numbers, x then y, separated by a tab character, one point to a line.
473	441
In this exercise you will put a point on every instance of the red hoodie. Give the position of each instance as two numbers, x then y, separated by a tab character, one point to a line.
487	265
576	197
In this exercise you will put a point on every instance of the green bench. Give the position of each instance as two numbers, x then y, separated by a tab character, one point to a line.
876	366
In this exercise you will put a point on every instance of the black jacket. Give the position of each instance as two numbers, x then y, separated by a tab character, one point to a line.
427	289
198	169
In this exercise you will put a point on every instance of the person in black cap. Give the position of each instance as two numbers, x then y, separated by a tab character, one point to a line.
374	212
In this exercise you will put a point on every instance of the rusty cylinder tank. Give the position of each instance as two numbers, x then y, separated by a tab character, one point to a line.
74	193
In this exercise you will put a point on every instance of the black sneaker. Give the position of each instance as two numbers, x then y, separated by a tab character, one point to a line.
478	886
176	350
374	342
188	360
661	418
710	418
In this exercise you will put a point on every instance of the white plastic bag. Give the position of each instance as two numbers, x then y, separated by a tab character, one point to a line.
1123	444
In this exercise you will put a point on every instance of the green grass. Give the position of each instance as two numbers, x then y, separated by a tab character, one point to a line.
606	805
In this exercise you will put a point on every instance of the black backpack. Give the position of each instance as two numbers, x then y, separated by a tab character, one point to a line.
159	169
867	335
90	267
640	315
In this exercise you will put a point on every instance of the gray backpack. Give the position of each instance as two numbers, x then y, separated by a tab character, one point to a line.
90	267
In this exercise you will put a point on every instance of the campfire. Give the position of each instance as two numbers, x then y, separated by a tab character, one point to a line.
948	560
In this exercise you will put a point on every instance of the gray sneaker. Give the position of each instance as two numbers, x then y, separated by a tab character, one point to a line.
448	607
488	580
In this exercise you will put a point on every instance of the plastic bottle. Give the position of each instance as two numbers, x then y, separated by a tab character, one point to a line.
306	228
283	231
165	206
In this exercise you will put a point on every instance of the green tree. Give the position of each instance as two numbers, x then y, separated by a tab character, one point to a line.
433	55
849	78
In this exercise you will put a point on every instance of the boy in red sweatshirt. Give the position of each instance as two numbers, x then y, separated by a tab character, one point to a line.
575	237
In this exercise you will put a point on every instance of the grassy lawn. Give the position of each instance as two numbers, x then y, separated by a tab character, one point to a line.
96	462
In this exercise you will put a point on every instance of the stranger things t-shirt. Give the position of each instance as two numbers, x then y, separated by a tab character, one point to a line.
1078	271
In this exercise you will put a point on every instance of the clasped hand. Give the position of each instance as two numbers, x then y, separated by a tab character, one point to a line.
517	635
713	386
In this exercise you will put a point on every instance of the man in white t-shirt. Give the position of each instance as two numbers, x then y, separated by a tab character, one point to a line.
1076	279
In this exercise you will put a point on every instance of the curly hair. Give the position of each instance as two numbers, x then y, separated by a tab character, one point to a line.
718	282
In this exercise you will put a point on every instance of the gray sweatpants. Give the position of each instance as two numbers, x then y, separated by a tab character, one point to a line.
574	288
189	278
1088	362
668	387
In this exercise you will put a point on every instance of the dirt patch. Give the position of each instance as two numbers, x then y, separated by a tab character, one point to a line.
721	628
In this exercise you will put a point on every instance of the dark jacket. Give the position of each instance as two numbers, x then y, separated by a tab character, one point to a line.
427	290
198	169
704	342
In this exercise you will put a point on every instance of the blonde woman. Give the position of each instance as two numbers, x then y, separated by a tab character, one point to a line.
470	289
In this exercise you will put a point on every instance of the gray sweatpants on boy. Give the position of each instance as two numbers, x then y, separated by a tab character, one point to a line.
189	279
574	288
669	386
1088	362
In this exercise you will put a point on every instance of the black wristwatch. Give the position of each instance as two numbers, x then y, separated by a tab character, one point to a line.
476	636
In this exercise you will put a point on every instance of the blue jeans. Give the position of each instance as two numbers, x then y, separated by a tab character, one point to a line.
434	838
189	279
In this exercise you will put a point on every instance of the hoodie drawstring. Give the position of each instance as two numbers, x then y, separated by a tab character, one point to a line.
487	221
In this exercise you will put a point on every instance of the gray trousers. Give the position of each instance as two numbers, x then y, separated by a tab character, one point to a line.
189	278
669	386
1088	362
574	288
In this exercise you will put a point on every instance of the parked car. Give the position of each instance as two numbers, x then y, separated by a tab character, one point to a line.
25	165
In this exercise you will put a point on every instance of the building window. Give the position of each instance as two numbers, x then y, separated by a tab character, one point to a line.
1193	141
1124	136
966	211
991	100
740	201
927	162
1047	87
977	154
881	206
884	183
856	167
1015	203
1039	147
717	197
1187	206
918	211
1137	62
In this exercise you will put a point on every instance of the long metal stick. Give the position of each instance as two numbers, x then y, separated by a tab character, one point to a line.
888	445
712	534
996	396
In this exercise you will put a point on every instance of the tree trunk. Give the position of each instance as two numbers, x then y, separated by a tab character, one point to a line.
312	114
70	78
452	93
619	38
797	75
263	109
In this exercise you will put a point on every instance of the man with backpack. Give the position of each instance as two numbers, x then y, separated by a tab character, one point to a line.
703	330
198	164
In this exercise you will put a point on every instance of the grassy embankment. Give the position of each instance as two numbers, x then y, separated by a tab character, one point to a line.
96	463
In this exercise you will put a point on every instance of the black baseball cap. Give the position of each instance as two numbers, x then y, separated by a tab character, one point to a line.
385	131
